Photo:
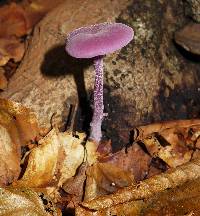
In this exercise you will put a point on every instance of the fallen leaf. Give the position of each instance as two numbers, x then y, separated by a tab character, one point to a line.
25	202
173	142
147	188
11	48
132	159
17	127
129	208
74	187
16	21
10	158
42	162
182	200
36	9
189	38
20	122
55	160
174	153
3	80
74	155
13	21
142	132
105	178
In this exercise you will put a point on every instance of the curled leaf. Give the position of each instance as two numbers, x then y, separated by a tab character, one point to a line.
54	161
147	188
10	158
105	178
129	160
18	126
42	162
20	122
74	155
143	131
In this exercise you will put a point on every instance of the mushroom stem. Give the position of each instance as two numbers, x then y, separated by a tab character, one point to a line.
95	133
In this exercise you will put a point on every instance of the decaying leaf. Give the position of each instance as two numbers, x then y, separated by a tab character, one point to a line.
20	122
173	142
143	131
55	159
74	155
105	178
42	162
3	80
11	48
125	209
129	159
182	200
14	24
145	189
25	202
9	157
74	187
18	126
77	174
13	21
174	154
36	9
16	21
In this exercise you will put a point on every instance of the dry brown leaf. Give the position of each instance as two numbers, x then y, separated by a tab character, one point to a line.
9	157
105	178
36	9
182	200
132	159
20	122
142	132
14	24
74	187
17	127
174	153
3	80
111	172
74	155
172	142
125	209
11	48
13	21
25	202
147	188
55	159
42	162
16	20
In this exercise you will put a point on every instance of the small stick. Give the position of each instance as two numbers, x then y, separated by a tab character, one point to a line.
147	188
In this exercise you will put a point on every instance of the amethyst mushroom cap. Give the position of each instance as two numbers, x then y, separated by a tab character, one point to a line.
94	42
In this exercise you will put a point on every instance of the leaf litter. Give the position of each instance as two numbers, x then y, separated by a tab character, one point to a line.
77	175
17	21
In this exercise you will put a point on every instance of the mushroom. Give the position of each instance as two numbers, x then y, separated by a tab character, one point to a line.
94	42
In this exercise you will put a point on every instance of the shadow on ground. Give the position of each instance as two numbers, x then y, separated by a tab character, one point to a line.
58	63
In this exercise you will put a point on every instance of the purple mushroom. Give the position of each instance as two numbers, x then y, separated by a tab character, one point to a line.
94	42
